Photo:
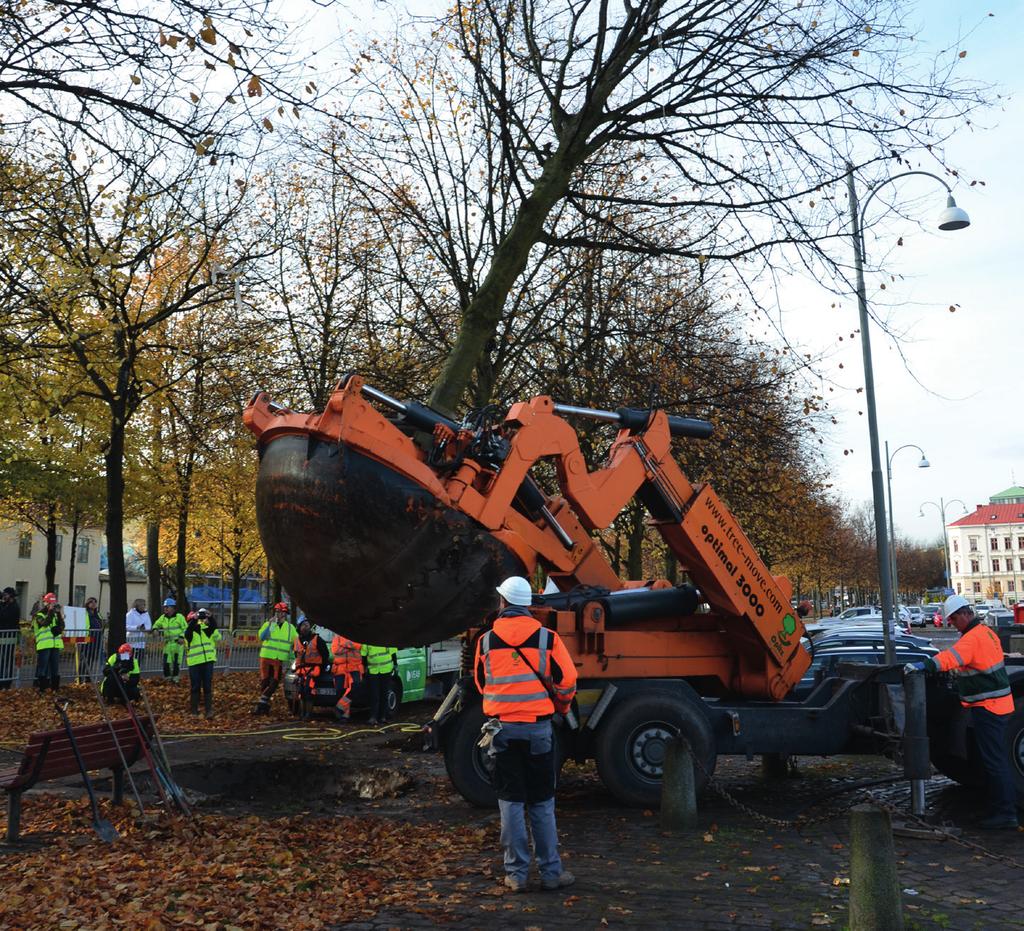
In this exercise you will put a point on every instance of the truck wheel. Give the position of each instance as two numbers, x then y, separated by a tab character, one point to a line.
1015	739
393	696
631	746
464	760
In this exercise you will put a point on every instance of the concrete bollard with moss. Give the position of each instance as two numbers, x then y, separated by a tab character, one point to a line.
678	787
875	901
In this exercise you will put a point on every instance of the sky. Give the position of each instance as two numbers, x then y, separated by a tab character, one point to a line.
956	393
950	384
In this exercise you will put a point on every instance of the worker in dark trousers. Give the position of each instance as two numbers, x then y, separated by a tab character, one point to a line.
122	665
201	637
311	658
47	627
525	675
380	667
984	689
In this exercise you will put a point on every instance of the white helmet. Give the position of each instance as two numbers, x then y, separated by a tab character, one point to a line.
516	591
953	604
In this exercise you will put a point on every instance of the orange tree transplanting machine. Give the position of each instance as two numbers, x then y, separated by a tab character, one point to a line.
396	529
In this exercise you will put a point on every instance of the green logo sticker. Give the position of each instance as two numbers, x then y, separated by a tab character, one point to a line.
789	624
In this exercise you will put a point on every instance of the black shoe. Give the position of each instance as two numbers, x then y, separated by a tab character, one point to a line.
999	823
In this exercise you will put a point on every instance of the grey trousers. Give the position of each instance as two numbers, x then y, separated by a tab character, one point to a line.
525	770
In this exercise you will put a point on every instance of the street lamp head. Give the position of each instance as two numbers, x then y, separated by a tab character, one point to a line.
953	217
924	463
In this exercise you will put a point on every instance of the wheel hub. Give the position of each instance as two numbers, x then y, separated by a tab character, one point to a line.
647	747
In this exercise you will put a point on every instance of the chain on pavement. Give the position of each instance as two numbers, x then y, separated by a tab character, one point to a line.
945	833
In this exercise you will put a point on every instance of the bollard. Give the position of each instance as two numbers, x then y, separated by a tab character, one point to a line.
678	787
875	903
916	762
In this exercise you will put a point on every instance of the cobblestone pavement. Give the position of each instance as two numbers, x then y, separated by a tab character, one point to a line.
734	872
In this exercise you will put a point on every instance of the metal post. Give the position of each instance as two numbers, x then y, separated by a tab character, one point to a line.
892	532
877	491
946	567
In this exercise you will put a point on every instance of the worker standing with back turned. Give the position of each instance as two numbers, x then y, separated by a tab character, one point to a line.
984	689
525	675
347	667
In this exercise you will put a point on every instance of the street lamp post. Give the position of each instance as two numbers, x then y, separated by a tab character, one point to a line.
952	218
923	464
946	568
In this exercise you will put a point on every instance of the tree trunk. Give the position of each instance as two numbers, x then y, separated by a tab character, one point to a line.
236	584
153	564
114	461
481	318
51	547
181	557
671	567
73	559
635	545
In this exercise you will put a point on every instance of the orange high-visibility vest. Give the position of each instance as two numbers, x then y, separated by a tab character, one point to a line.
977	662
510	689
308	655
346	655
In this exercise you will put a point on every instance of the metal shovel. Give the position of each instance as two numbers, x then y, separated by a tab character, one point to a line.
103	827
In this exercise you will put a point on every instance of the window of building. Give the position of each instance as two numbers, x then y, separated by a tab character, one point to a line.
995	565
1020	543
959	589
83	549
996	584
956	567
972	543
79	595
956	546
1007	543
25	544
993	544
58	546
1011	586
1022	563
974	565
976	587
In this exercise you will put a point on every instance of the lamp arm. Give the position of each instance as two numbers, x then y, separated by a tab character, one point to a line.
882	184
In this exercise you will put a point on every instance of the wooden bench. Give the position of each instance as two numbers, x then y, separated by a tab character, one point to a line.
48	755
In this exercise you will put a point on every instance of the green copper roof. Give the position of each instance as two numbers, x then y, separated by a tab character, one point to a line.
1016	493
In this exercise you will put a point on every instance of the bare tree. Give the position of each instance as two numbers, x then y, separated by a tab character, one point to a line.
181	71
746	115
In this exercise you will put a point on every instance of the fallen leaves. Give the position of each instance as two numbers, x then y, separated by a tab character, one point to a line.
24	711
236	873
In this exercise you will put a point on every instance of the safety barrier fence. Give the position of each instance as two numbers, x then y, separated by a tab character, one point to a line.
82	658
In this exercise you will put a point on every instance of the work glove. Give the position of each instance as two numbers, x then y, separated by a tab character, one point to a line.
913	667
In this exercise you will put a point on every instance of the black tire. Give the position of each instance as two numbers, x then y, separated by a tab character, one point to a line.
1015	745
630	746
970	771
464	759
393	696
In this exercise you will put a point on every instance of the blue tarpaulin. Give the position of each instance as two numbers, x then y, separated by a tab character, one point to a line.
217	595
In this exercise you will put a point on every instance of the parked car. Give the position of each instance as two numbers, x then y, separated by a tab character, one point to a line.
855	646
917	617
867	621
856	612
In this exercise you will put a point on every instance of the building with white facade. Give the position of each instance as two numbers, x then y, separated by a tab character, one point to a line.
23	564
986	549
